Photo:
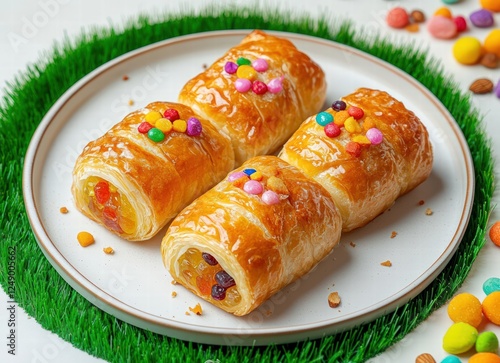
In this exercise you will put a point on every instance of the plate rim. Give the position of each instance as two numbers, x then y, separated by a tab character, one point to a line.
136	316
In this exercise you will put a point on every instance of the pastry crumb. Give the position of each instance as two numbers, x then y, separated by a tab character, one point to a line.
197	309
125	78
386	263
333	299
85	239
63	210
421	202
130	102
187	313
108	250
394	234
428	212
174	282
352	244
174	293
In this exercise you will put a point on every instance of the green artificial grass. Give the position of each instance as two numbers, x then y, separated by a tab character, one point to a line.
44	295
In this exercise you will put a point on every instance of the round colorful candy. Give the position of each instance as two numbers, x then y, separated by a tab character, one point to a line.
443	11
484	357
491	43
275	85
339	105
194	127
247	72
397	18
355	112
243	85
492	5
241	61
461	23
332	130
497	93
487	342
491	307
260	65
259	87
442	27
144	127
459	338
375	136
467	50
451	359
253	187
236	175
449	2
490	285
270	197
324	118
156	135
482	18
465	308
171	114
230	67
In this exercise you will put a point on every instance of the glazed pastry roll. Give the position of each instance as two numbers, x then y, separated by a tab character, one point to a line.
258	93
255	232
143	171
366	150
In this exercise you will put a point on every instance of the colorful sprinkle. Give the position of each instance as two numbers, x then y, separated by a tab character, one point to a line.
260	65
269	197
144	127
332	130
242	61
340	117
164	125
194	127
253	187
246	72
156	134
375	136
171	114
256	176
355	112
339	105
275	85
324	118
259	87
249	171
230	67
180	125
242	85
152	116
236	175
361	139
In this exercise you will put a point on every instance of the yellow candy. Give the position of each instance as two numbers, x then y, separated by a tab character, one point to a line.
352	126
491	307
247	72
492	5
180	125
256	176
467	50
484	357
465	308
492	42
368	123
444	11
153	116
459	338
164	125
361	139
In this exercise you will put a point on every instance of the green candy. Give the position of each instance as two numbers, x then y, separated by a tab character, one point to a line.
459	338
156	134
242	61
487	342
450	1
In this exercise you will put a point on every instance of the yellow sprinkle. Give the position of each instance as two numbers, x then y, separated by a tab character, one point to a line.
164	124
153	116
361	139
368	123
247	72
180	125
256	176
352	126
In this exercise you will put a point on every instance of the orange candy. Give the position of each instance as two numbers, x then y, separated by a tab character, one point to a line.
492	5
484	358
465	308
444	11
495	233
491	307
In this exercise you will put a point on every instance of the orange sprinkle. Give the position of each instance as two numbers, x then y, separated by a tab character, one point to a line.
197	309
386	263
63	210
85	239
340	117
495	233
125	78
108	250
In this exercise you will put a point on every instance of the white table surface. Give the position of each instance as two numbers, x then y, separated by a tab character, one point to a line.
22	44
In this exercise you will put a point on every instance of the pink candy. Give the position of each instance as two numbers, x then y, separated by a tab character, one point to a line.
242	85
253	187
442	27
269	197
397	18
236	175
375	136
260	65
275	85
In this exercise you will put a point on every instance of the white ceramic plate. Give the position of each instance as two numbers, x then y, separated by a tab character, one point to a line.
133	285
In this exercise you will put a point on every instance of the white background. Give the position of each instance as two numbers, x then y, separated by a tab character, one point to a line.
29	28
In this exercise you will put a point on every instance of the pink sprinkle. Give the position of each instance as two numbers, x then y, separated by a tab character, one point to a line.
260	65
375	136
253	187
242	85
275	85
236	175
269	197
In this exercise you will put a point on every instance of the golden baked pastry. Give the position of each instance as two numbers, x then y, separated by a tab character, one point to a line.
250	242
134	185
270	221
364	185
258	124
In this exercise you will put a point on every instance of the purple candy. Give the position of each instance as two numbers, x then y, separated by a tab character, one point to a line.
230	67
497	89
193	126
482	18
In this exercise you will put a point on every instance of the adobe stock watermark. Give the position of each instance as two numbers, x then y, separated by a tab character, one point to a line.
31	25
12	324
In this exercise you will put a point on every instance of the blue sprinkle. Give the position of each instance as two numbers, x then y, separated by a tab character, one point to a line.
324	118
249	171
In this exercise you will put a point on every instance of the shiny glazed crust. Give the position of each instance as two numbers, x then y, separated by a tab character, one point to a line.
258	124
365	186
159	179
263	247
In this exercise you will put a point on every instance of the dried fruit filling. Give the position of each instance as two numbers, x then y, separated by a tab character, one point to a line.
204	273
108	205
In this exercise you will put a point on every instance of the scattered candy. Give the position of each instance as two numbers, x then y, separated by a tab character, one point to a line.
465	308
156	134
194	127
324	118
260	65
442	27
491	307
487	342
451	359
339	105
484	357
249	171
459	338
179	125
397	18
448	2
259	87
375	136
491	43
353	148
242	85
482	18
164	124
270	197
461	23
492	5
355	112
236	175
490	285
152	116
230	67
489	60
467	50
242	61
253	187
246	72
171	114
332	130
443	11
417	16
341	117
275	85
497	93
352	126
